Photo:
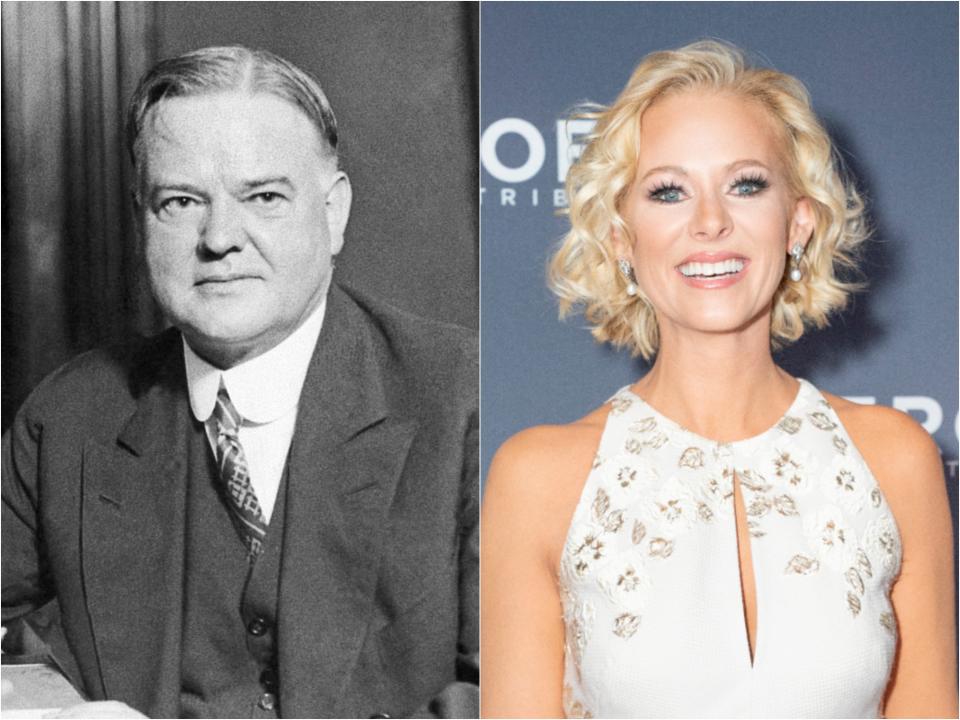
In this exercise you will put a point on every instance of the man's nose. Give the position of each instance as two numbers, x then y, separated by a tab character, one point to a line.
711	220
222	230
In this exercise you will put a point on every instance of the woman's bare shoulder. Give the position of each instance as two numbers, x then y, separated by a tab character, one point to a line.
544	453
537	476
901	455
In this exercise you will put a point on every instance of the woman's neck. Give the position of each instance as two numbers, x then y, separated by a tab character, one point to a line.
723	386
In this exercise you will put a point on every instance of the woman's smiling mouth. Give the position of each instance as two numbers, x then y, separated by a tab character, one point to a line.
711	271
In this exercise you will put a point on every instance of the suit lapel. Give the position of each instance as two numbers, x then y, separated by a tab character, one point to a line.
132	538
347	454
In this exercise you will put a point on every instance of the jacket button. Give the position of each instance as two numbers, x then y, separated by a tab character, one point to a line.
268	678
257	626
268	701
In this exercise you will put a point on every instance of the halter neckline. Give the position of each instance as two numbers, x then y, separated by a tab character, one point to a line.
795	408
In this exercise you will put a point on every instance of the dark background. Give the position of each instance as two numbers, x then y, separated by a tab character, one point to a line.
402	80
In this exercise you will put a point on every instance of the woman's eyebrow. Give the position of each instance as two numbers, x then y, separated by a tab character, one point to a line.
664	168
736	164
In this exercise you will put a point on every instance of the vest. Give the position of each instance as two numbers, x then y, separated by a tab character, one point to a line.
228	662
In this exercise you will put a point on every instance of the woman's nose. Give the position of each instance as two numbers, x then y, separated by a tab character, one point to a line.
711	221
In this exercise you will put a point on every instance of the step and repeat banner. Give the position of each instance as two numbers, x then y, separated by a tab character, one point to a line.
883	78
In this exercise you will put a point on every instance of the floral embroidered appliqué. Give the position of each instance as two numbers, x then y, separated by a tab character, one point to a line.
620	404
802	565
626	625
647	424
691	458
882	543
638	533
792	467
626	584
829	536
889	623
572	707
842	484
791	425
585	549
672	509
661	547
822	421
578	617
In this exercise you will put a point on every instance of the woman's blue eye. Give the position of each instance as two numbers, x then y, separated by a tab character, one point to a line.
749	186
667	194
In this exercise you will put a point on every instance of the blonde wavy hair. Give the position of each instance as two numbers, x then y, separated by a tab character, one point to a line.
583	272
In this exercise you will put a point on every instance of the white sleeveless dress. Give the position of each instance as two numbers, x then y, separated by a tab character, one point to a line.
650	579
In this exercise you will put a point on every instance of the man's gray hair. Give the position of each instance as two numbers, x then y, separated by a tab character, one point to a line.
233	67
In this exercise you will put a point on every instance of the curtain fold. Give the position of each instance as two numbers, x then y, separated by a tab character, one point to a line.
69	247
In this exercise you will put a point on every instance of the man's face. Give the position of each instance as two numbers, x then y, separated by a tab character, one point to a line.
241	215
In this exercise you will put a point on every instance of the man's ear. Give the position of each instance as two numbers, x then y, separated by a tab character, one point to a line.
338	201
137	206
801	223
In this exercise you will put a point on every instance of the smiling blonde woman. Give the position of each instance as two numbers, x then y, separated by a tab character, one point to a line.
719	539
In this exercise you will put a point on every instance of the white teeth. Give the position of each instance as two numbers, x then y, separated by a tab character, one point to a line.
711	269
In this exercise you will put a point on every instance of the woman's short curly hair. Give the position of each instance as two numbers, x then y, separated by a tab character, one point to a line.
583	271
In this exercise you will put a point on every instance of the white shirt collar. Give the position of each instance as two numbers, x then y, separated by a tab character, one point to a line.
263	388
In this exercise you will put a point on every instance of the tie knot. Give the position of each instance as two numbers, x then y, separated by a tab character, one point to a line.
226	415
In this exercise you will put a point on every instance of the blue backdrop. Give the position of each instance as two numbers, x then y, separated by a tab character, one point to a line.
883	77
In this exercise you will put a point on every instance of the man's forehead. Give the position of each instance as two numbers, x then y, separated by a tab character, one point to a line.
232	121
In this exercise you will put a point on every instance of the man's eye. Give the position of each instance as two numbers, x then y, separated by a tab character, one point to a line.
177	204
267	198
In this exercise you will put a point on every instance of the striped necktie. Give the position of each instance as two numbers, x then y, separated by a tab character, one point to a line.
232	464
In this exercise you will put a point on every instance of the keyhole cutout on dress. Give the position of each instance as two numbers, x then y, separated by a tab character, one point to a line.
748	586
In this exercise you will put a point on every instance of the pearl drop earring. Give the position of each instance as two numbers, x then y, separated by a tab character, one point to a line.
626	269
796	252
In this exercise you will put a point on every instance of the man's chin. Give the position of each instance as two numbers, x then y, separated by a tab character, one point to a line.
225	345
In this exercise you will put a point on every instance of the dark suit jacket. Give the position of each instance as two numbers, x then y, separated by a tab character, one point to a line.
378	586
